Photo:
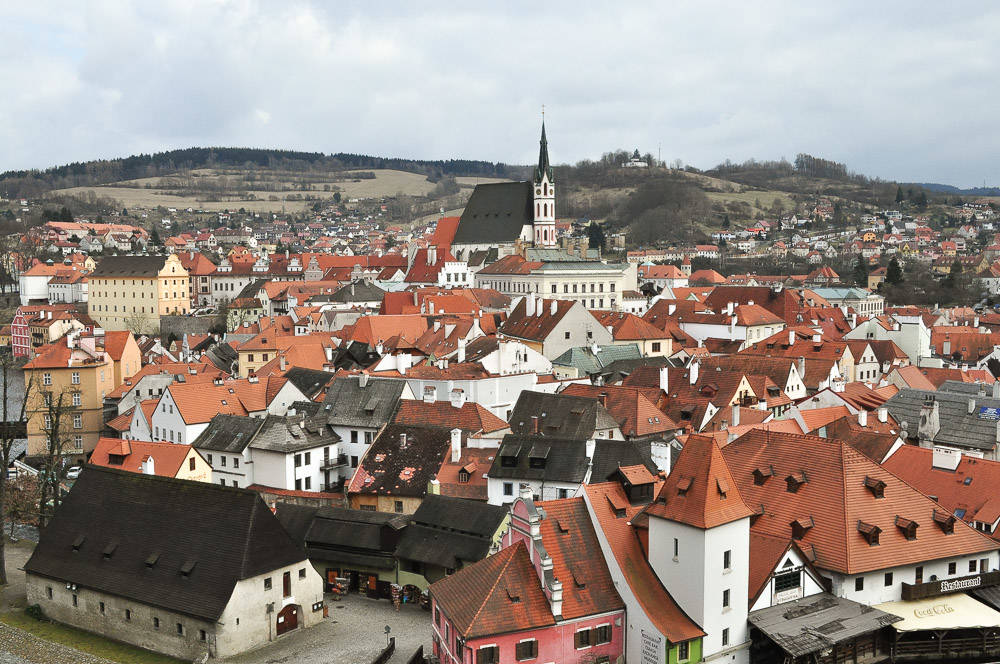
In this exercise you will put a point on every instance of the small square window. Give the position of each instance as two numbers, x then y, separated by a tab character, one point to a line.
202	635
302	573
888	579
508	488
952	568
267	583
972	566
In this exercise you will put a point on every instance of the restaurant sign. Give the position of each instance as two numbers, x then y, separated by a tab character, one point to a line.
913	591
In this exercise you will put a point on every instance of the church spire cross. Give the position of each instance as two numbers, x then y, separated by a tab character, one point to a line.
544	167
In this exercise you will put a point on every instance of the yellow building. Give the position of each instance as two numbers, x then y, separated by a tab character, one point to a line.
67	384
134	292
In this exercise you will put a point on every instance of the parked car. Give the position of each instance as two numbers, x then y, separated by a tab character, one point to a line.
73	472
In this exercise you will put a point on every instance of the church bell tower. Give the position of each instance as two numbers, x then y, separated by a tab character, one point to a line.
544	222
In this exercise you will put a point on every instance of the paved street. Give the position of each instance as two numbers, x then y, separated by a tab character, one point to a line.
353	634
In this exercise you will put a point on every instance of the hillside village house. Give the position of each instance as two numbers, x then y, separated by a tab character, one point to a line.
75	373
134	292
551	327
187	569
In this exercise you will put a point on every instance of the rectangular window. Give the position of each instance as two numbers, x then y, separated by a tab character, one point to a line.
202	635
309	482
46	379
78	442
77	399
603	634
222	461
156	623
437	616
48	592
727	559
267	583
972	566
859	584
298	460
918	574
369	437
308	458
75	378
78	421
488	655
286	584
725	637
354	461
508	488
210	459
952	568
888	579
191	463
398	506
298	485
302	573
526	650
683	651
236	462
128	615
677	546
180	629
582	639
725	598
76	600
354	436
101	607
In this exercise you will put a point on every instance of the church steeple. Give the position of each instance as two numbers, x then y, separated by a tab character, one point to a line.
544	223
543	168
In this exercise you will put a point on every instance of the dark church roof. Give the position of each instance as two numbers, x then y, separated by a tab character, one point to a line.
496	213
173	544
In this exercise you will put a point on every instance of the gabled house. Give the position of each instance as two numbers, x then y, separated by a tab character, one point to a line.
553	326
188	569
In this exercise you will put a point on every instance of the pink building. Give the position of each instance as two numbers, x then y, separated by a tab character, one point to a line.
547	596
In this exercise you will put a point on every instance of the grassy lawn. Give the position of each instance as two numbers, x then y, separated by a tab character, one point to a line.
85	641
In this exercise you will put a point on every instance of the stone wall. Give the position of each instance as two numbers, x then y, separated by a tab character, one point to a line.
179	325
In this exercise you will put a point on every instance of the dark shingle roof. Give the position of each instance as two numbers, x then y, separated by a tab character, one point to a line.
564	460
128	266
228	433
391	469
155	526
358	291
468	516
609	454
495	213
349	404
292	434
309	381
958	427
560	415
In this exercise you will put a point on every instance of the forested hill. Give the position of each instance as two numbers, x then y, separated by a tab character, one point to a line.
104	171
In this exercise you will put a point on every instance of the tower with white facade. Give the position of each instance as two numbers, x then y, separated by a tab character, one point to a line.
699	546
544	223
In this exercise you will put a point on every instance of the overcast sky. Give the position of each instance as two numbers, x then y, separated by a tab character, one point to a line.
894	90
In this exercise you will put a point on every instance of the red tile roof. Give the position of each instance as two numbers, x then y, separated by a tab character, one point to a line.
636	414
496	595
116	342
537	327
569	538
620	533
167	457
834	498
700	490
471	417
628	327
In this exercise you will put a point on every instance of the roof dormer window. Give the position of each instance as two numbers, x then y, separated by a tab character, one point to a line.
801	526
795	481
683	484
869	531
876	486
761	475
907	526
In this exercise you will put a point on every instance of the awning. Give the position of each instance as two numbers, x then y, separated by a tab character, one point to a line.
817	622
955	611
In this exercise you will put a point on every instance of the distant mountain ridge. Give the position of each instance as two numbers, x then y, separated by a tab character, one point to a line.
949	189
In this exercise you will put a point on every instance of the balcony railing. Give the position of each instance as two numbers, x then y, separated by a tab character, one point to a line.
333	462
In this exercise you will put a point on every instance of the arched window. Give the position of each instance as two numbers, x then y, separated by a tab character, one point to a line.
537	213
546	188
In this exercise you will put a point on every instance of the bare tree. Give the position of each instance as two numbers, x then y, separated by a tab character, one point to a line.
58	414
13	407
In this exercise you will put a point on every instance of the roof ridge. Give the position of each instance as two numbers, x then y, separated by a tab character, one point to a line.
843	496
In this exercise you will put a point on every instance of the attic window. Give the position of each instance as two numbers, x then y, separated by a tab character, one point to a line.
967	481
151	560
109	550
945	521
795	481
801	526
683	484
508	455
514	599
761	475
869	531
78	542
723	487
463	476
188	567
876	486
560	527
907	526
578	580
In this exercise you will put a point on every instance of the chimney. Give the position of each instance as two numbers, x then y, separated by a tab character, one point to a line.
535	424
972	406
456	398
529	304
946	347
148	466
555	307
329	353
456	445
883	414
603	398
664	378
281	361
736	416
693	372
432	255
671	308
429	394
461	350
863	417
555	598
817	339
802	368
524	493
929	424
730	306
791	337
363	380
402	441
945	459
